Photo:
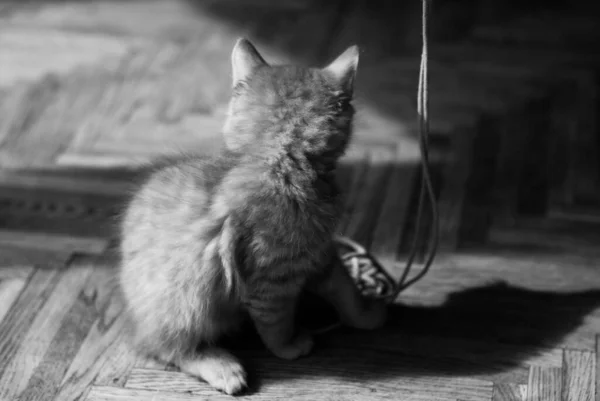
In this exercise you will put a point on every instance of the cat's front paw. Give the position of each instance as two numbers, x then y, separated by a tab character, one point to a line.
372	315
301	345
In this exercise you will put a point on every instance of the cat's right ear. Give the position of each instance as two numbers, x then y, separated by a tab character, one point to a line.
244	60
343	68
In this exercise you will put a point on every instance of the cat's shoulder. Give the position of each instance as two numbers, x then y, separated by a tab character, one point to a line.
192	165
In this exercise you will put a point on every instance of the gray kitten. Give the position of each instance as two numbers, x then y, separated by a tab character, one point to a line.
207	241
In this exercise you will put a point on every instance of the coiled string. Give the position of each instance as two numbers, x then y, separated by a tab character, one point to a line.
371	278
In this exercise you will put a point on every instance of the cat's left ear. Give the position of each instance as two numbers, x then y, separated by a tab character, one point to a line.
343	68
244	60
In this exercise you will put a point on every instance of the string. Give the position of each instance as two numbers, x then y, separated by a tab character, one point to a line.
426	193
426	182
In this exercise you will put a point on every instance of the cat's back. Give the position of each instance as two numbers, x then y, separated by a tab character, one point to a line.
174	193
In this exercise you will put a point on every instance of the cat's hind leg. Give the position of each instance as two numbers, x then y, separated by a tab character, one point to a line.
187	351
273	317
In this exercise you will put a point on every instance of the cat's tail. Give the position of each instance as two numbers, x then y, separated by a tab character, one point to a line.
221	250
227	252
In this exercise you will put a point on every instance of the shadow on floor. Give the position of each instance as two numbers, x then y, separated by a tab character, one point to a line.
483	331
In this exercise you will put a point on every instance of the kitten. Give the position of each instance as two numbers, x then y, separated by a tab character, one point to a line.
207	241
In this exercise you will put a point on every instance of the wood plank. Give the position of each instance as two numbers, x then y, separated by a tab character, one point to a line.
126	394
541	234
51	242
35	342
58	181
98	393
25	103
580	130
533	180
597	354
563	133
579	383
9	292
452	195
98	159
352	192
47	376
514	136
369	199
280	385
104	356
16	271
509	392
477	205
492	360
390	225
143	362
545	384
60	212
23	312
19	257
118	362
50	126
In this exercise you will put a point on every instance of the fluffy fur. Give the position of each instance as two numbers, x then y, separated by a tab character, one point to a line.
209	240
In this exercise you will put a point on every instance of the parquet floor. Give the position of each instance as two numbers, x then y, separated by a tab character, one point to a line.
511	308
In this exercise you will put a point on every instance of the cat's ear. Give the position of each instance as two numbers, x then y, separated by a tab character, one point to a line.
244	59
343	68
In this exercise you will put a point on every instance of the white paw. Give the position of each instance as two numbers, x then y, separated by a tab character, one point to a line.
219	369
227	376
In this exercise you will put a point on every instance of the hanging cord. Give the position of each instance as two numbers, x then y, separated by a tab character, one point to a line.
371	278
426	182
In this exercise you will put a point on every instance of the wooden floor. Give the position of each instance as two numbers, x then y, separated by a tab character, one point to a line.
510	310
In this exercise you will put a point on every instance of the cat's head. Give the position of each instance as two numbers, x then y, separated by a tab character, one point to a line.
293	109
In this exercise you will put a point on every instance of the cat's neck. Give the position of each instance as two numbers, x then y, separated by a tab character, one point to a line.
289	169
298	174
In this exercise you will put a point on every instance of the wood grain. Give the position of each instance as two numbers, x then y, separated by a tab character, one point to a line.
58	243
47	376
367	204
450	204
24	258
579	381
121	394
387	233
545	384
352	191
143	362
39	336
18	320
279	385
10	288
103	355
493	361
509	392
63	181
510	158
17	271
597	380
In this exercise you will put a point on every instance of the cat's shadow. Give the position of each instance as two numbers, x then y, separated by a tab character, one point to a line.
487	331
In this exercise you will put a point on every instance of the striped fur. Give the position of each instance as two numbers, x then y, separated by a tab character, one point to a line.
208	240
